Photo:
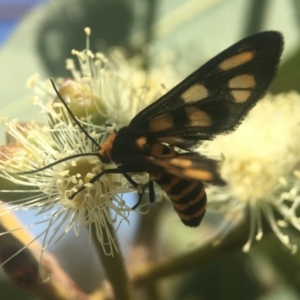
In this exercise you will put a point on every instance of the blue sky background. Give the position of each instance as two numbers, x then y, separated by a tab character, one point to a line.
11	11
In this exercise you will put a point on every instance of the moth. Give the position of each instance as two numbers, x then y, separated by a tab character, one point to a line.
212	100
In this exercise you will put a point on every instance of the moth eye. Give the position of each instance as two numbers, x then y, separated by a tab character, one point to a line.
195	93
236	60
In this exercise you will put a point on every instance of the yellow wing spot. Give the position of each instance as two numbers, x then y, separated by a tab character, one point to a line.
236	60
238	83
195	93
161	123
182	163
197	174
245	81
198	117
141	142
240	96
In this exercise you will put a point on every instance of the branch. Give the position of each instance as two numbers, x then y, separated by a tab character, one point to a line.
113	264
44	277
153	271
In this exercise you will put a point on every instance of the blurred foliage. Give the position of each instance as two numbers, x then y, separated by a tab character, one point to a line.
286	265
9	291
227	277
60	30
288	77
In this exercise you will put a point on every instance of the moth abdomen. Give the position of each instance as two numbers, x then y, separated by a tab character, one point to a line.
187	196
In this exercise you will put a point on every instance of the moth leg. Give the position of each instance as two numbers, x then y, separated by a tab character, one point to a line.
151	191
140	193
151	194
140	189
129	179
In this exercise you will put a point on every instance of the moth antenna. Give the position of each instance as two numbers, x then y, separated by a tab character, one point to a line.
72	115
57	162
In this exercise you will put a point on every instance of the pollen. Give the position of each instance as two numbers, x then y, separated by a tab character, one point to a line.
73	180
90	175
64	173
87	31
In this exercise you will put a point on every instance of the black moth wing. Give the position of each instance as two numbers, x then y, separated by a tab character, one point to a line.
216	97
190	166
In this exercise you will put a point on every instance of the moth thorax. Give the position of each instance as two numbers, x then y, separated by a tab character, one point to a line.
105	149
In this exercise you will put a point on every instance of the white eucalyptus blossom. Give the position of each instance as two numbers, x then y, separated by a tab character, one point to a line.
108	87
40	146
261	166
121	85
